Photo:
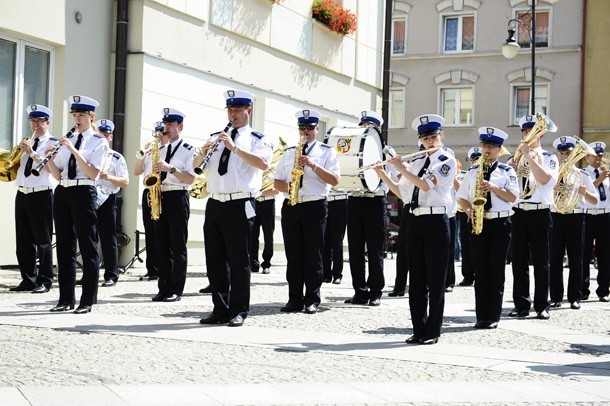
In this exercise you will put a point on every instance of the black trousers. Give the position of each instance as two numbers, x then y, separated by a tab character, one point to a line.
568	232
334	232
451	260
489	260
428	249
265	219
171	235
366	231
597	228
531	232
76	220
402	263
149	236
227	232
106	228
303	230
465	232
34	235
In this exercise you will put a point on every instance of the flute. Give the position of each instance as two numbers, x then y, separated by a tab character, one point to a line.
403	158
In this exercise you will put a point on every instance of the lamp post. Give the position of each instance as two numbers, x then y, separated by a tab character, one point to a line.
511	47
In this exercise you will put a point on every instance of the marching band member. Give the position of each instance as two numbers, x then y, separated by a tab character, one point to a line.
171	230
334	233
303	222
234	180
597	226
450	281
34	206
144	167
366	231
76	165
426	185
113	177
568	232
532	227
497	183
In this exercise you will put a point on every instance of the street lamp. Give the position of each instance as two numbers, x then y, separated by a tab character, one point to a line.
511	48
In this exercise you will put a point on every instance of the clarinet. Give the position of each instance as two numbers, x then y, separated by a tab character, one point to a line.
51	154
199	170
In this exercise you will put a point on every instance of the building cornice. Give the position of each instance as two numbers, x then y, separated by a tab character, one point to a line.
554	50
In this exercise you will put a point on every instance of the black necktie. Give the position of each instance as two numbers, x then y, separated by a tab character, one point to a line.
415	197
301	179
487	176
168	157
28	165
72	161
600	188
223	166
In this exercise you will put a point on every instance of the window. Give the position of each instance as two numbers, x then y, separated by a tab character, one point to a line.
522	101
397	108
458	33
399	33
457	106
25	76
542	28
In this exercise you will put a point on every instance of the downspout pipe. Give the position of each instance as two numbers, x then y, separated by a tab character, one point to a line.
387	57
120	75
582	69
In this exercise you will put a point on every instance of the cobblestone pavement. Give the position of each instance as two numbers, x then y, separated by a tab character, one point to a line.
342	350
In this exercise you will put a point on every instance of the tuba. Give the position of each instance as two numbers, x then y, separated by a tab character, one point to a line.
153	180
542	126
566	196
297	172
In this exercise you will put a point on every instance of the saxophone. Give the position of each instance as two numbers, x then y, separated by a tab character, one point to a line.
480	197
153	180
297	172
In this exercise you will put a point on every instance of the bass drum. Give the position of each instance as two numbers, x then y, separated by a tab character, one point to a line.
356	147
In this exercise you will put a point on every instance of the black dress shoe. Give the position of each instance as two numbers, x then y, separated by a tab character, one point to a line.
337	281
82	309
79	282
311	309
328	280
41	289
158	297
357	300
466	282
236	321
266	271
584	297
207	289
148	277
395	293
109	283
449	289
172	298
292	308
555	304
491	324
575	305
22	287
604	299
62	307
413	339
543	315
518	313
428	341
375	302
214	319
480	324
254	270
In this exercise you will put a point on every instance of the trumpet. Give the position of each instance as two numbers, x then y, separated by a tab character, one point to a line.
201	168
51	154
141	153
404	158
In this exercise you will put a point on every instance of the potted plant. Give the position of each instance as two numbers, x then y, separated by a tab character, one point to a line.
337	18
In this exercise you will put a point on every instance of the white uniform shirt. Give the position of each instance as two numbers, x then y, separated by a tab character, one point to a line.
503	176
45	178
606	182
240	176
181	159
460	178
323	155
93	149
543	193
443	168
587	182
115	165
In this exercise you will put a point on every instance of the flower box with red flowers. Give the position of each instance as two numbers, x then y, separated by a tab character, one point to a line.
337	18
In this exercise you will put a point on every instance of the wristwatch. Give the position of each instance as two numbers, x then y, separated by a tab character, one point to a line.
172	170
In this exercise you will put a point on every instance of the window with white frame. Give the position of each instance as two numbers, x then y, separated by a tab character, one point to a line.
542	28
397	108
522	106
458	33
457	106
25	78
399	36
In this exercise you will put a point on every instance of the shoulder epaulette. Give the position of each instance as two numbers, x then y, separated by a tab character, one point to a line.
257	134
547	153
289	148
116	155
473	167
585	172
96	135
325	145
187	146
504	166
53	139
443	158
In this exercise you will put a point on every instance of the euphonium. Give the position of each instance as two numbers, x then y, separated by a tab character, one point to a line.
201	168
569	180
153	180
480	197
10	163
297	172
